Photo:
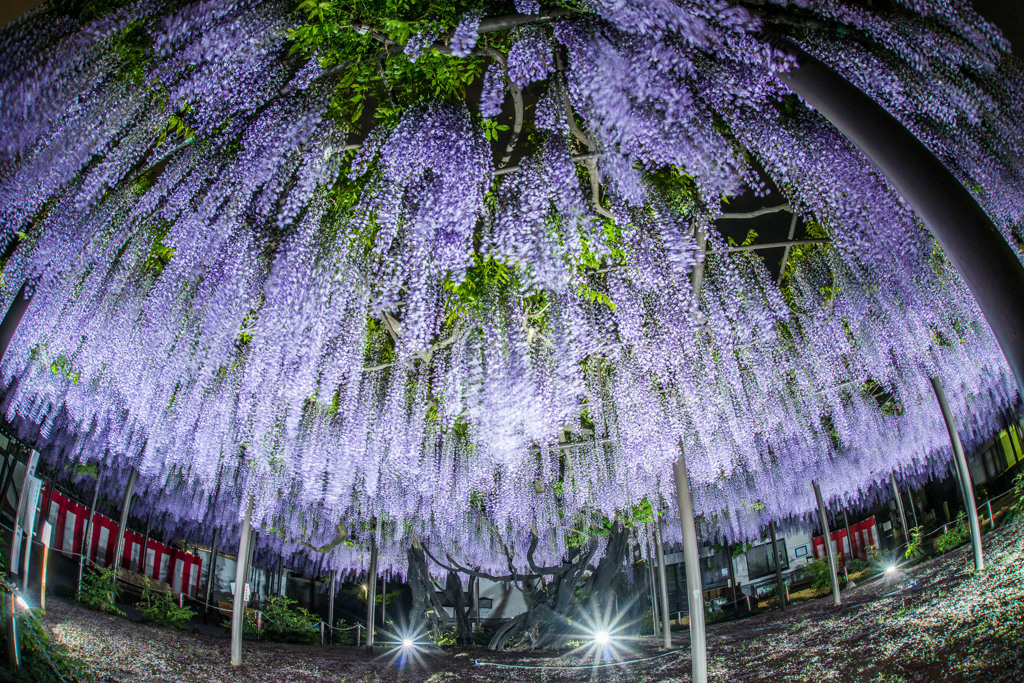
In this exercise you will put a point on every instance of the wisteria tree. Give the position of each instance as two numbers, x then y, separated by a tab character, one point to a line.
463	267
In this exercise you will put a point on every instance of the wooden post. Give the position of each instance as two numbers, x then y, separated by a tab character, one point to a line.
241	574
960	462
829	552
694	588
45	536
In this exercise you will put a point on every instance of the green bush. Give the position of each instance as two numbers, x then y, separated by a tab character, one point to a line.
956	535
162	609
444	638
858	565
281	622
346	636
915	549
100	589
821	581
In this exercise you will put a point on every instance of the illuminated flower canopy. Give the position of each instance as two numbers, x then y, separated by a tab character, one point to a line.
466	273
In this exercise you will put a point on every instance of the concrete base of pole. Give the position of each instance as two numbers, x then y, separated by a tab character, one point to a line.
694	588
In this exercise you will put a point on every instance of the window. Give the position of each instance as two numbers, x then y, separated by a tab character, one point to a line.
759	560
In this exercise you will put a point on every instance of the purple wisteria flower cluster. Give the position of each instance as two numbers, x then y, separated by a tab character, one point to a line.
237	295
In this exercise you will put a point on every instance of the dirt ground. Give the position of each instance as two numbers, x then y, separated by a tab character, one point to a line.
938	621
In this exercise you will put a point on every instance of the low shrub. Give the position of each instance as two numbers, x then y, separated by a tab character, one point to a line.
444	637
956	535
161	608
821	581
100	589
916	549
344	633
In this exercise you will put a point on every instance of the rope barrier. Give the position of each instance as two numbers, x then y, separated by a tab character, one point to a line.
578	666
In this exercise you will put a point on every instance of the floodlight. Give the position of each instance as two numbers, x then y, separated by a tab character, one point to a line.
602	637
20	602
890	569
407	642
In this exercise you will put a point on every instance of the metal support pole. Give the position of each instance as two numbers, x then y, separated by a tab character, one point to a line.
87	540
330	604
122	525
732	580
145	543
991	519
14	315
476	601
211	573
913	508
827	535
779	585
967	489
973	243
371	591
666	620
241	573
694	588
653	583
849	539
899	506
384	602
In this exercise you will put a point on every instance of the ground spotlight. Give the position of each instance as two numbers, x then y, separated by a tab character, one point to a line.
407	642
602	637
20	602
890	569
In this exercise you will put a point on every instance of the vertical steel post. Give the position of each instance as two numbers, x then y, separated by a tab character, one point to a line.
691	556
780	587
732	580
829	551
899	506
14	315
145	543
30	471
87	540
122	525
966	487
330	604
241	574
973	243
371	590
849	539
666	620
653	583
211	573
991	518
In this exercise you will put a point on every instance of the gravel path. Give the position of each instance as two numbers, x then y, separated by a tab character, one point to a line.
938	621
